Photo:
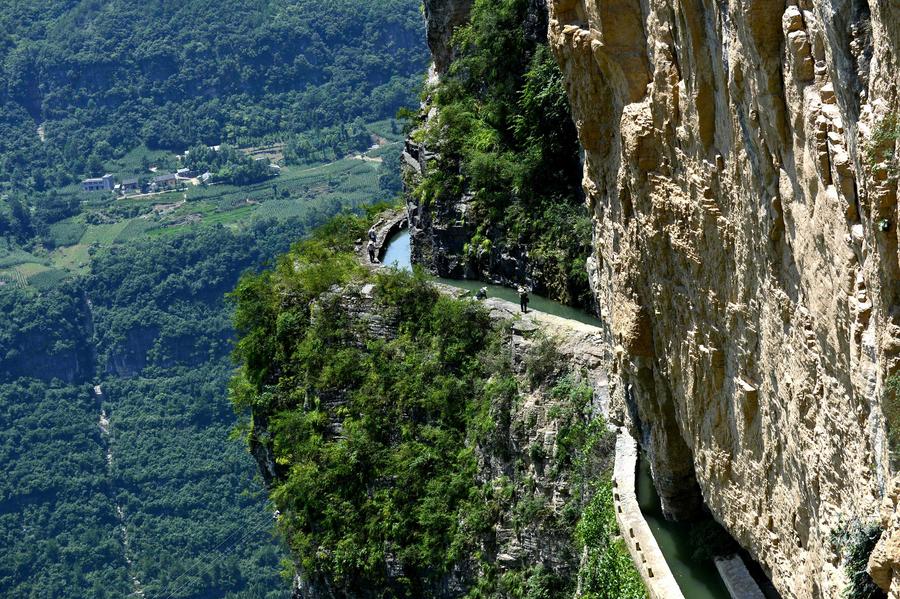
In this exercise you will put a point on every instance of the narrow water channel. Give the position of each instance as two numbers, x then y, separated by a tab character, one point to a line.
398	254
698	579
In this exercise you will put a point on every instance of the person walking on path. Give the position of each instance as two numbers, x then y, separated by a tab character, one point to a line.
372	235
523	299
371	248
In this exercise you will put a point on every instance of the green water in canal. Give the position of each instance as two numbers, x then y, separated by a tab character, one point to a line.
398	255
697	579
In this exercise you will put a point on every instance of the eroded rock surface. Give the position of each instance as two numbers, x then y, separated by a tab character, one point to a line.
740	169
442	17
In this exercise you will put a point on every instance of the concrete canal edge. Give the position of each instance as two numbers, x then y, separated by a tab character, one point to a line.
642	545
737	578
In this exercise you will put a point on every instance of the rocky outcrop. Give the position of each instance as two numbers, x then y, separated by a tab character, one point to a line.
537	488
740	168
522	460
442	17
884	563
441	235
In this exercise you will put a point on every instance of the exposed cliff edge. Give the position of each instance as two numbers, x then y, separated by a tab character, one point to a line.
741	170
421	444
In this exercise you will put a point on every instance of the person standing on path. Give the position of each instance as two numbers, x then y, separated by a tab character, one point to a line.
371	248
523	299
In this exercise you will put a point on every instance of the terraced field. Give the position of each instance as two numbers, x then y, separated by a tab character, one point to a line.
298	190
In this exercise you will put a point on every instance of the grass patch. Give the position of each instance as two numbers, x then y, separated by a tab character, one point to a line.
67	232
135	228
103	234
74	258
229	217
30	269
14	257
49	278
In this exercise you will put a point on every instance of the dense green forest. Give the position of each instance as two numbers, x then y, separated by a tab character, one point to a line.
504	133
194	515
100	78
377	421
120	473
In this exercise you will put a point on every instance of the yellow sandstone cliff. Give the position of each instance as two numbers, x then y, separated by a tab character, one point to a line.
741	171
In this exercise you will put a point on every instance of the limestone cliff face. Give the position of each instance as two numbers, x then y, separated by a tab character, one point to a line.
740	169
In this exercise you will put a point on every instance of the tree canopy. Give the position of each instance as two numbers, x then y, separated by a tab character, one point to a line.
99	78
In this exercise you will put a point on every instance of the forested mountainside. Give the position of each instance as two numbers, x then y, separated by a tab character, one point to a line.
493	172
120	471
82	82
137	488
417	445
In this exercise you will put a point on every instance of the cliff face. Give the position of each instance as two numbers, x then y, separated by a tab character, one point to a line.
740	170
442	17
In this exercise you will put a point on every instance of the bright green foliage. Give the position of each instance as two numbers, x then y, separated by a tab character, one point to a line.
505	133
400	476
608	572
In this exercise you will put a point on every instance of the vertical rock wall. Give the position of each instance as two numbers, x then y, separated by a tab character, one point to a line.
739	170
442	17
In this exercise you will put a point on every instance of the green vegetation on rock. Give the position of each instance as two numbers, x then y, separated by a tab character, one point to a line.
378	401
504	133
856	541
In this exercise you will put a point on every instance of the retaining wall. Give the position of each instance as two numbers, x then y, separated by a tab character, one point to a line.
638	537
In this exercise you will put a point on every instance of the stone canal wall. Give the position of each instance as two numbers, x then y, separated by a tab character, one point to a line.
638	537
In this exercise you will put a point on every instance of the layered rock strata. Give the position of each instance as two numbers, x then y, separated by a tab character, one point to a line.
740	168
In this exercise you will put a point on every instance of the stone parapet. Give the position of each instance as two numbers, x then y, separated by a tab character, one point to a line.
636	532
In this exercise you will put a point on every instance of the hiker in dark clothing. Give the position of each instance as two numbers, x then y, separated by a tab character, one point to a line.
371	248
523	299
482	294
372	235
